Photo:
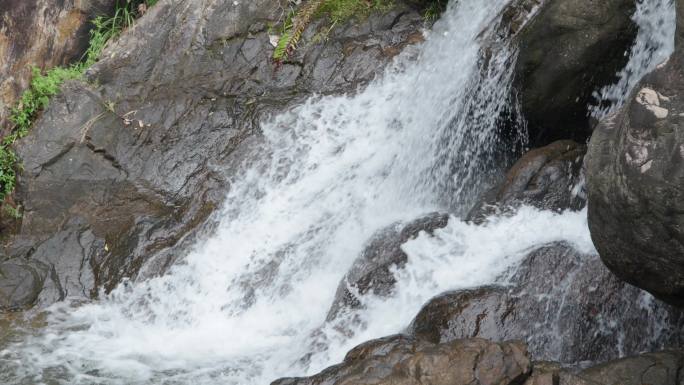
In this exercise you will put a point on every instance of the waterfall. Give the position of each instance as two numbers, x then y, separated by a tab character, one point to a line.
653	45
248	303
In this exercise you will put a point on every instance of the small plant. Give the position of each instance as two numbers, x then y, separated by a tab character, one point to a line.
342	10
337	10
45	85
12	212
434	10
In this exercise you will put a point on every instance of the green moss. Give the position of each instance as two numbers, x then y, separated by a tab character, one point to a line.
46	84
342	10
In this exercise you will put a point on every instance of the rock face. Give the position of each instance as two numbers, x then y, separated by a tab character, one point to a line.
126	173
547	178
40	33
401	360
662	368
567	306
570	49
635	174
372	271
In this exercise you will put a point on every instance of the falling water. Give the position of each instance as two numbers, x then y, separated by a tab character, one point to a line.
653	45
244	306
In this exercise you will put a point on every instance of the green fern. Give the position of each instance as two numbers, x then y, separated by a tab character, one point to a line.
338	11
280	53
294	27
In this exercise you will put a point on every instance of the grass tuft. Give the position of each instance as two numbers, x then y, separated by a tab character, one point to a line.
342	10
337	10
434	10
45	85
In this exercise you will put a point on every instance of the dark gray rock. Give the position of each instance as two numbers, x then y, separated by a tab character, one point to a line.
44	34
547	178
372	271
121	174
635	183
401	360
570	49
20	283
567	306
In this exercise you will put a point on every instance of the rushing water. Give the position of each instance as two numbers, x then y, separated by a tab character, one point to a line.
249	302
653	45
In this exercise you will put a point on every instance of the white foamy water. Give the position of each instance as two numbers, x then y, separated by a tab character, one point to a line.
246	304
653	45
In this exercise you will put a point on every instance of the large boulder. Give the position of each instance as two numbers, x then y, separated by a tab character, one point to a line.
635	182
548	178
401	360
567	306
569	50
124	171
43	34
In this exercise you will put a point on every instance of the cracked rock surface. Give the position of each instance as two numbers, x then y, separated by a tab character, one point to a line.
122	173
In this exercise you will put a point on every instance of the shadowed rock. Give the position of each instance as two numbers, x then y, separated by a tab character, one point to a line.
569	50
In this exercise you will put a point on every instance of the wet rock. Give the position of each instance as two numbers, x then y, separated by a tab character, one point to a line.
662	368
635	174
567	306
123	173
372	271
44	34
569	50
20	283
551	373
547	178
400	360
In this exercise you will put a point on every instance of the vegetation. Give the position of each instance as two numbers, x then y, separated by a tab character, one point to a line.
337	10
342	10
46	84
434	9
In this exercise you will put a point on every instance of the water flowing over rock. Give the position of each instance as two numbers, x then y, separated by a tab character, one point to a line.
634	181
570	49
192	212
121	173
373	271
548	178
40	33
401	360
566	305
